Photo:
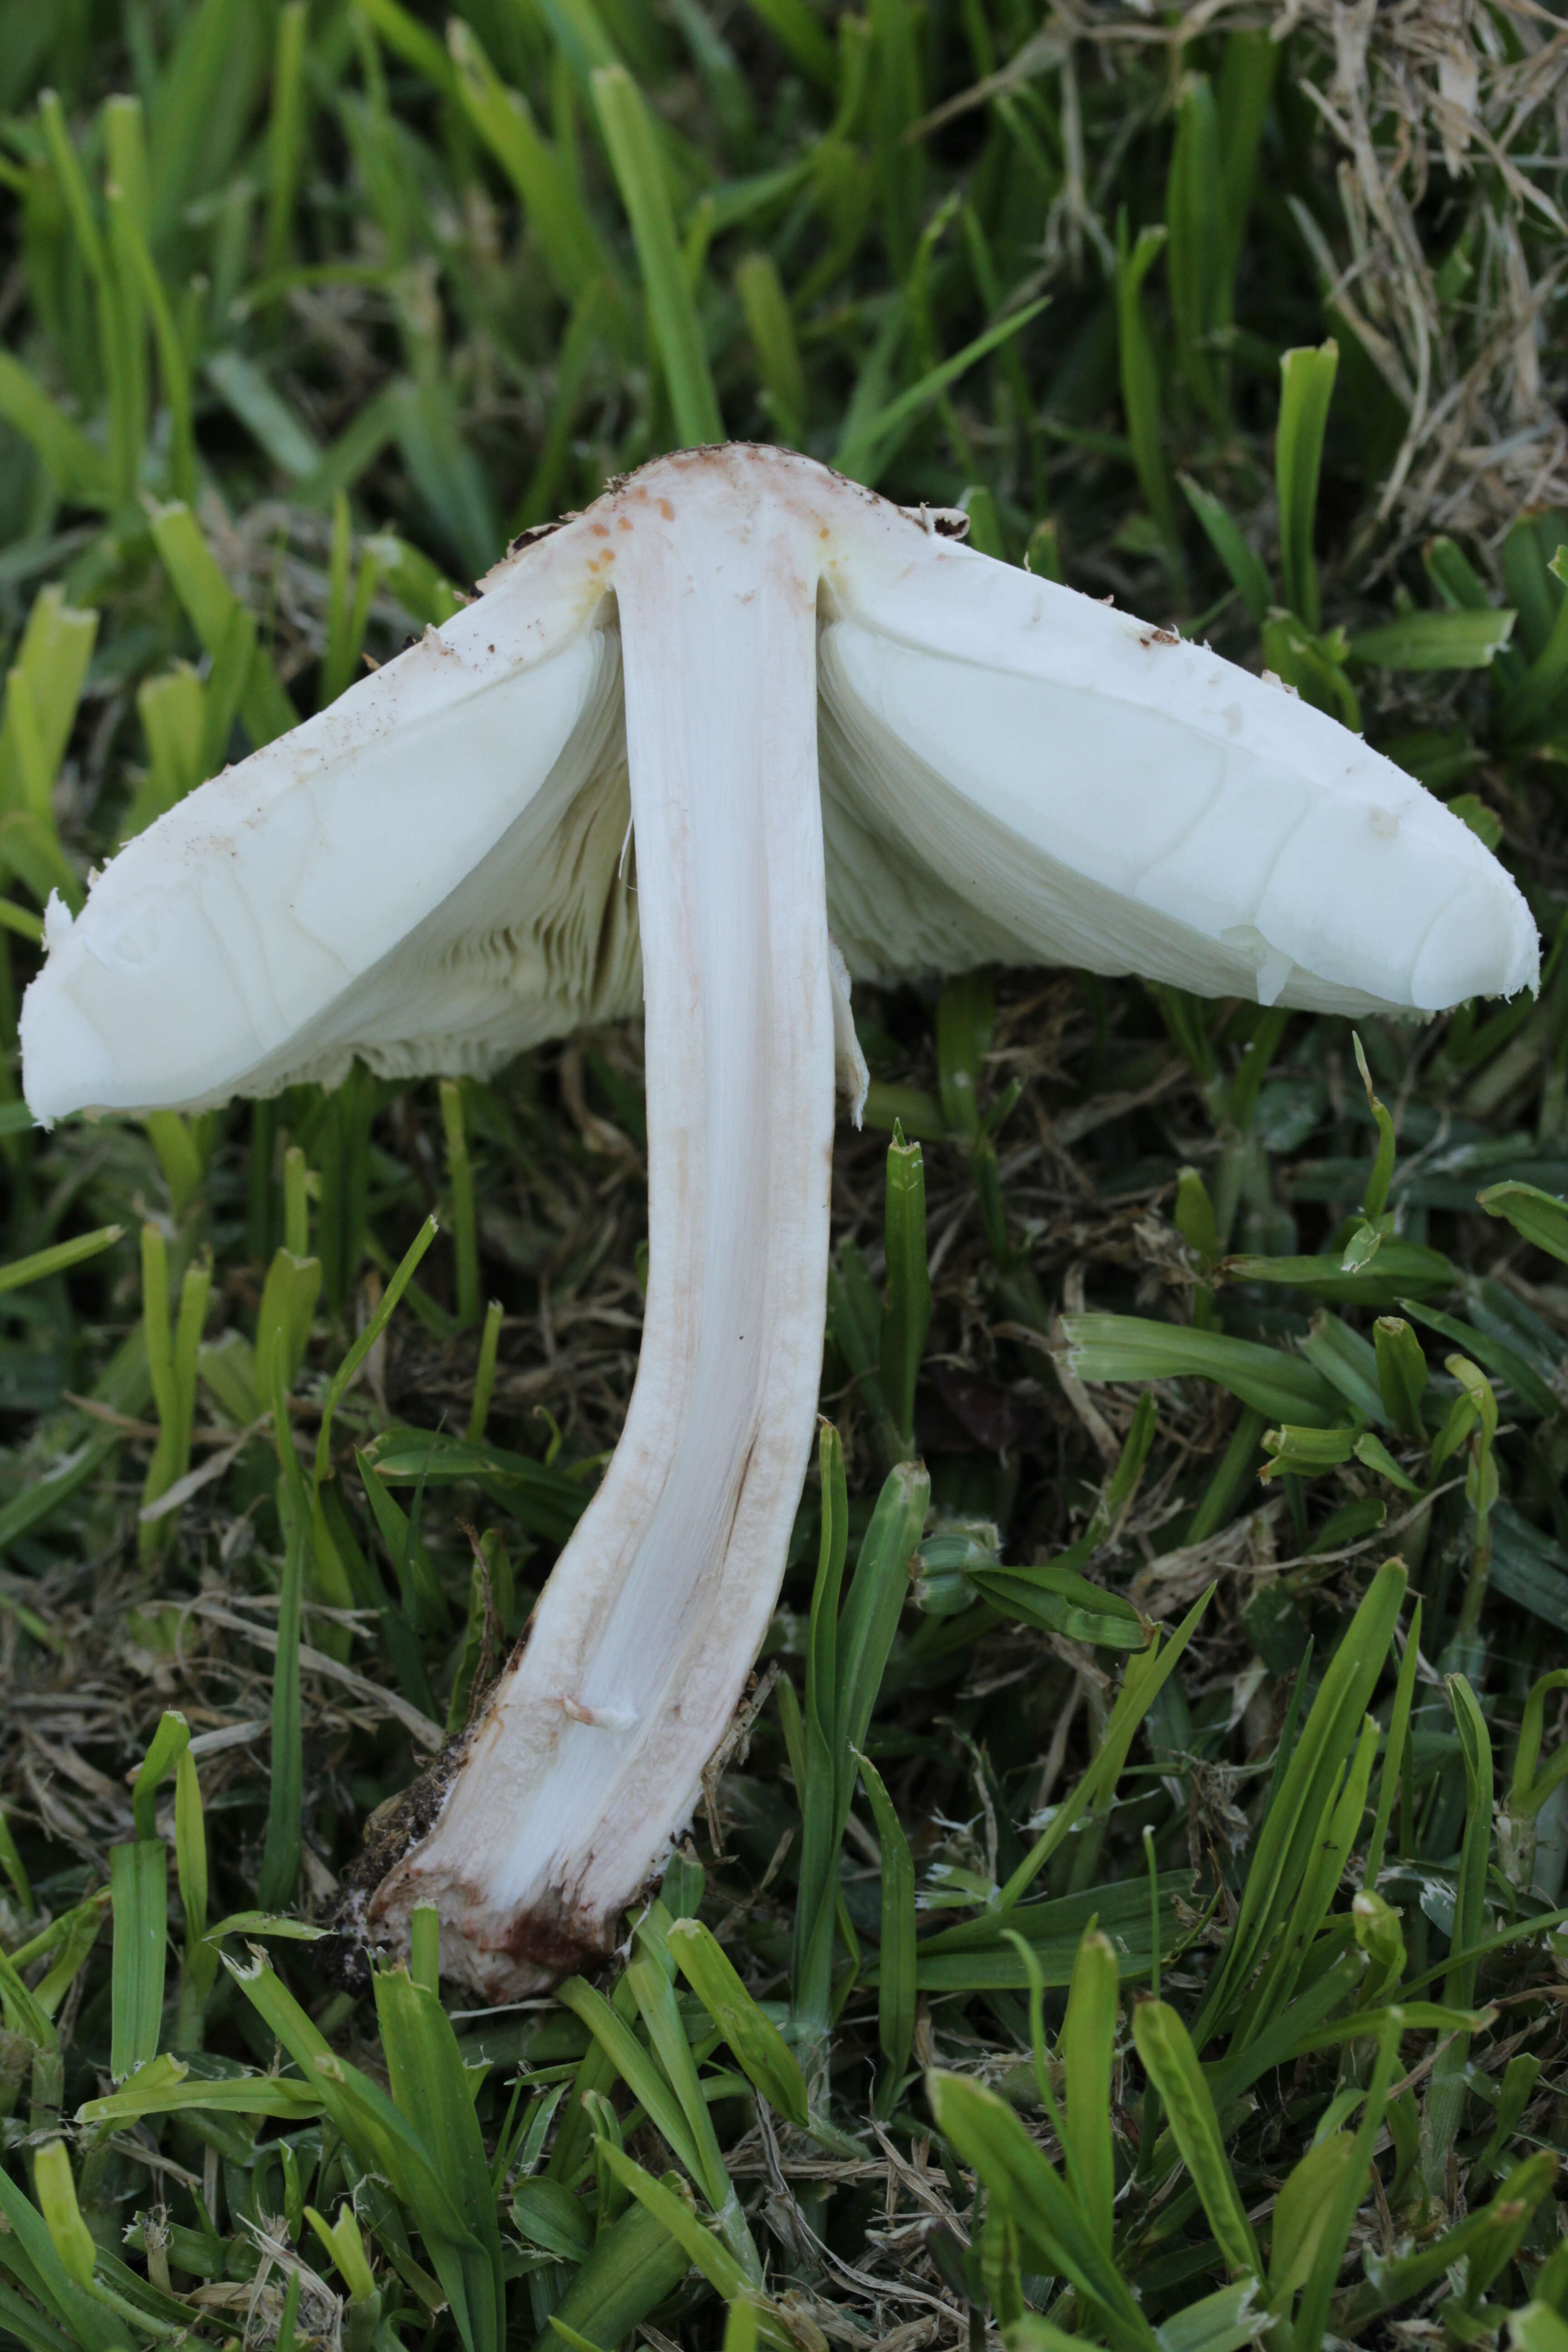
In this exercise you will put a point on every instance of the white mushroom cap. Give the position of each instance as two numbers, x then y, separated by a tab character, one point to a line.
1053	781
433	872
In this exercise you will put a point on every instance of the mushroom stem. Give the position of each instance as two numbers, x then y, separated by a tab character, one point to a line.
590	1756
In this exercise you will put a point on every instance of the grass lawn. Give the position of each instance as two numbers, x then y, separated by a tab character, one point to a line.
1181	1963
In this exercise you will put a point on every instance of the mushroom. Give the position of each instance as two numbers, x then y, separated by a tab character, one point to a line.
740	716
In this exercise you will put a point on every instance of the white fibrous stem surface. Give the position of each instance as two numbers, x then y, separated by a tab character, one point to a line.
591	1752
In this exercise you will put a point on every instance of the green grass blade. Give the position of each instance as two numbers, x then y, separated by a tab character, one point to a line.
280	1857
628	2270
760	2049
461	1178
58	1257
802	38
1141	379
1248	573
815	1773
573	252
640	173
1284	1849
138	1878
638	2069
988	2136
29	2251
1165	2047
374	1326
906	1311
1129	1348
660	2013
770	322
864	454
285	130
1312	2316
432	2090
1306	388
896	1973
1088	2042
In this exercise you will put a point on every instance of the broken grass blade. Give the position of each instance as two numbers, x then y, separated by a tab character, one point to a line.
167	2087
1435	641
